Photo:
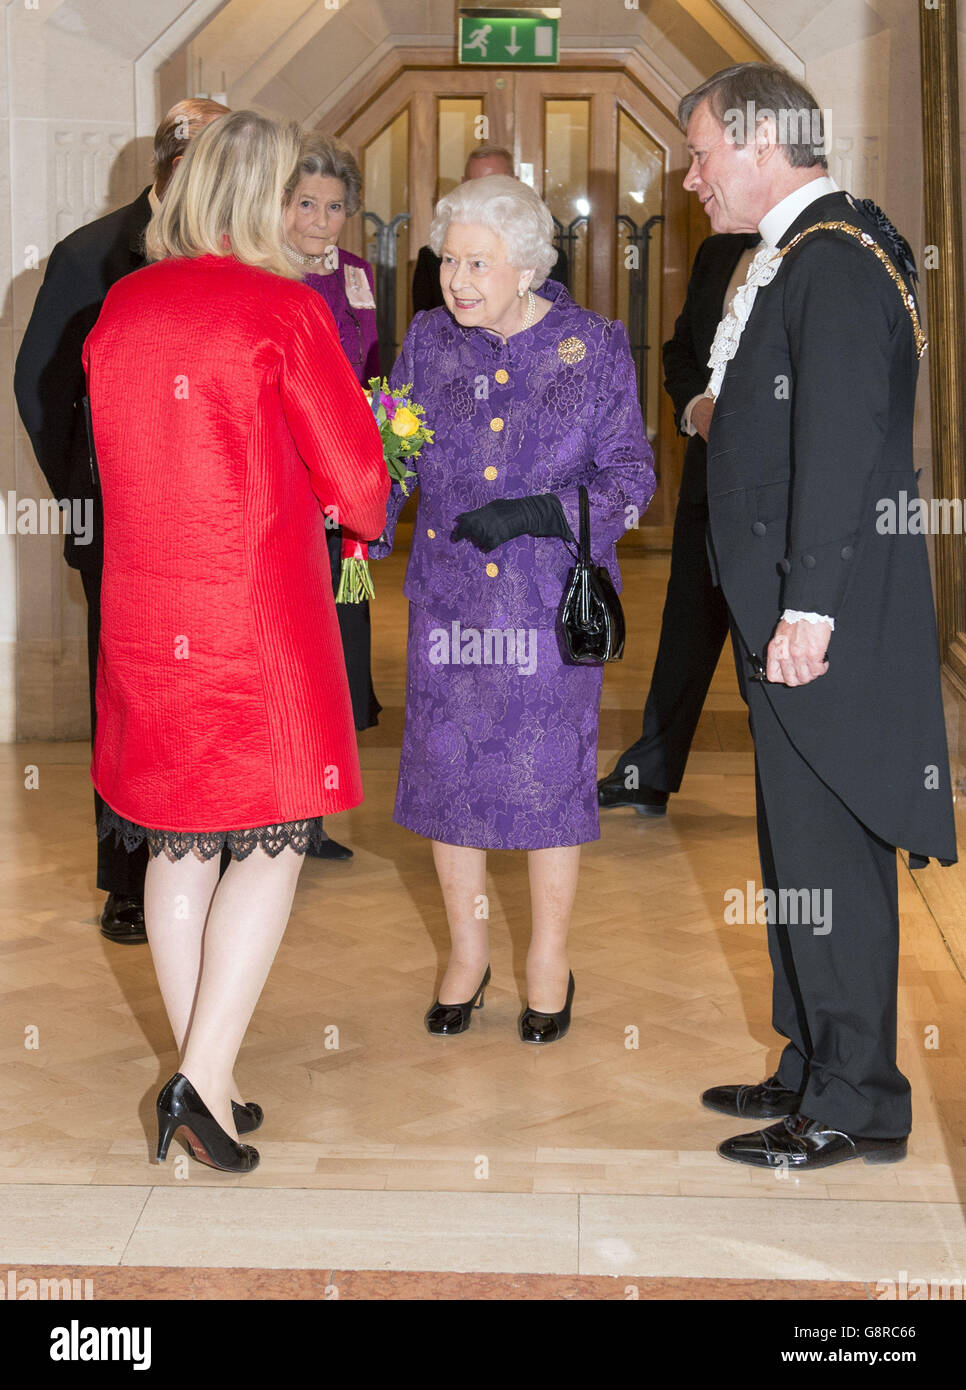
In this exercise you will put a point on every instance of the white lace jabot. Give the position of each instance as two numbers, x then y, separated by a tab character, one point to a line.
762	271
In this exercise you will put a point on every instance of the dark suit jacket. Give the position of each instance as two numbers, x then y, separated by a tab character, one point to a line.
427	293
49	377
813	426
686	370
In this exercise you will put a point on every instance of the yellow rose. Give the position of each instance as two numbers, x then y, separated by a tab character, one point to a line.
404	423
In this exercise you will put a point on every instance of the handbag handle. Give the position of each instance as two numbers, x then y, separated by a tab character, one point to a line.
584	542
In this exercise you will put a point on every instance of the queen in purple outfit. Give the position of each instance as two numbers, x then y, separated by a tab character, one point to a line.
529	396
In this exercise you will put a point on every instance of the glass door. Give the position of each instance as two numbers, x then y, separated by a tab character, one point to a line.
566	170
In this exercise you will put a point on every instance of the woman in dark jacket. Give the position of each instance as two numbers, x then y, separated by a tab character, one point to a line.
325	190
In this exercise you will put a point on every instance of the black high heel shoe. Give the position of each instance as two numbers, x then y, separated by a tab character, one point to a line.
180	1107
547	1028
442	1020
247	1116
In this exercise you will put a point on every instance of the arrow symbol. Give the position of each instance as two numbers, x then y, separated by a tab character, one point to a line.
513	46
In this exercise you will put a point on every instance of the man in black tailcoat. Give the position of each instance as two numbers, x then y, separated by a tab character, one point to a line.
695	621
50	387
833	627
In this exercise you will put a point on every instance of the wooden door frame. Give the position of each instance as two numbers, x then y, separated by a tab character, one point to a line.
945	298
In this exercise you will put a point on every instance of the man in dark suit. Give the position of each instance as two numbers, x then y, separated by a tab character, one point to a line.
50	388
832	620
695	621
488	159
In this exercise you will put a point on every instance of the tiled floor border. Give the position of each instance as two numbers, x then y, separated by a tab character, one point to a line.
107	1282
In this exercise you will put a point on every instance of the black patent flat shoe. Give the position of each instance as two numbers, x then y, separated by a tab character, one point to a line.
180	1108
442	1020
767	1101
797	1143
546	1028
247	1116
646	801
122	920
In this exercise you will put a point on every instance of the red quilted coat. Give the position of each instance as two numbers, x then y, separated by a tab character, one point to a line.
226	418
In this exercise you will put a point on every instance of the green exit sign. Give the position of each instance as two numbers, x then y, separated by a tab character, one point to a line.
504	37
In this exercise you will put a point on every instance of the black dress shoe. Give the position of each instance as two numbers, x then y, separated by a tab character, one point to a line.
546	1028
442	1020
123	920
247	1116
797	1143
647	801
768	1101
329	849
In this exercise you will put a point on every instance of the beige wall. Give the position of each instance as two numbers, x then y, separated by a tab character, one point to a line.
83	83
71	149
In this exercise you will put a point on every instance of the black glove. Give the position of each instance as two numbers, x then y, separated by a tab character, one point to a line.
499	521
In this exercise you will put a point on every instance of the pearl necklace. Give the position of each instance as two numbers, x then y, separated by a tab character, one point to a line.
531	309
299	258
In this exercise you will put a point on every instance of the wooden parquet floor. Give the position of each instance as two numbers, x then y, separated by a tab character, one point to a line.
669	999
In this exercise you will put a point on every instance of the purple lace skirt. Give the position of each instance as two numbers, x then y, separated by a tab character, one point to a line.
498	754
300	835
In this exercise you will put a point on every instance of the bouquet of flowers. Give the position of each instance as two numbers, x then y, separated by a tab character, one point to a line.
403	436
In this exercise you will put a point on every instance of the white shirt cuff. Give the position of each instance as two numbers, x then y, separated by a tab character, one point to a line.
791	615
686	424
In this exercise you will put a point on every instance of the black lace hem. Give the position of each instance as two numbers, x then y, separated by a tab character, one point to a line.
300	835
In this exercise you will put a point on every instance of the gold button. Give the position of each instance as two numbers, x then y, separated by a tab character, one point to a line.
492	570
431	533
496	424
489	473
502	376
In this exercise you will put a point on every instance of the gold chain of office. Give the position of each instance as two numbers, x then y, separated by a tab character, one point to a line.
872	245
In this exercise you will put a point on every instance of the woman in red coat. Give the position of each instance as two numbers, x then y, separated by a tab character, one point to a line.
227	423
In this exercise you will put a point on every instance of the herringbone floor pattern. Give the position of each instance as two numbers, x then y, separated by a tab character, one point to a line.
669	999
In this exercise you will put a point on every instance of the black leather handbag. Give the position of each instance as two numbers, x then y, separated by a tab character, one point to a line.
591	615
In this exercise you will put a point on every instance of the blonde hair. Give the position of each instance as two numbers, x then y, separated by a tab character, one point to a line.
230	183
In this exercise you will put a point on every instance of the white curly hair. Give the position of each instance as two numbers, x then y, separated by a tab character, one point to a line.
510	209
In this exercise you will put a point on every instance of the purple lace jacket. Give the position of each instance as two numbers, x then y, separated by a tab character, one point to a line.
554	406
345	291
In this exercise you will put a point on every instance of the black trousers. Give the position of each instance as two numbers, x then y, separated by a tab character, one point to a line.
118	871
693	630
356	633
835	980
